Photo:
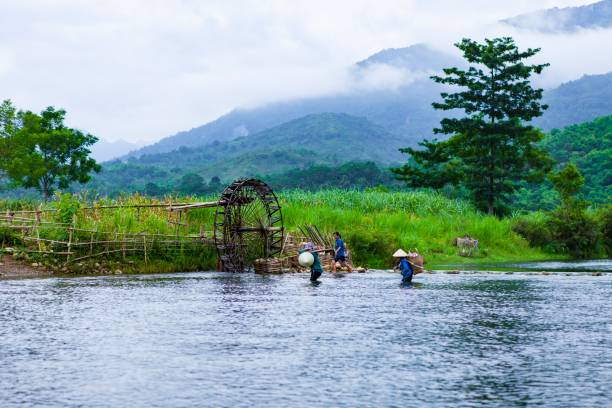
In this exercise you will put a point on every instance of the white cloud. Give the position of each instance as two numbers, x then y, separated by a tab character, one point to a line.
143	69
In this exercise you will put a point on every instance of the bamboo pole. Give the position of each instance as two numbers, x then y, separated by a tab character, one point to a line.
144	239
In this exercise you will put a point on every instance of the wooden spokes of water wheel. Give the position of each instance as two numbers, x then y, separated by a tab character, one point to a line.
248	225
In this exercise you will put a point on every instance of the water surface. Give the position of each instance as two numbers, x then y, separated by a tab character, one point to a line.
215	339
595	265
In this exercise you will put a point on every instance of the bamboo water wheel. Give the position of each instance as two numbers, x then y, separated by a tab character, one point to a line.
248	225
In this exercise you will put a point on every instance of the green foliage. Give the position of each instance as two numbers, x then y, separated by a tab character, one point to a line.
589	147
570	228
351	175
192	183
375	222
567	181
8	237
489	150
67	206
370	247
604	217
411	202
574	231
45	154
534	229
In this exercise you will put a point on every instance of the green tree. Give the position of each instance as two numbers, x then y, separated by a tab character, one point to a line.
573	229
46	154
8	125
490	149
192	183
214	186
568	182
153	189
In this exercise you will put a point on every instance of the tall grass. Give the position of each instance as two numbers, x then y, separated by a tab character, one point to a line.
376	223
373	223
412	202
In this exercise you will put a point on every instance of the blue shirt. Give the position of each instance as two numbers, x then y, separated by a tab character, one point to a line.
405	267
339	247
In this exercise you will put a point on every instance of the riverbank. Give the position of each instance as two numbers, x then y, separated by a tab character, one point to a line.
14	269
373	223
376	223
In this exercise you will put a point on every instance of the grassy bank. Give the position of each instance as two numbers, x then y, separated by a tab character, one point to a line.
376	223
373	223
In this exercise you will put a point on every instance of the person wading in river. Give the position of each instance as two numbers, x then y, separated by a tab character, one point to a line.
404	265
340	253
316	270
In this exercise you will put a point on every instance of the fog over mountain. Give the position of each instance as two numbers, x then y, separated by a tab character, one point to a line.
403	110
105	150
142	70
567	19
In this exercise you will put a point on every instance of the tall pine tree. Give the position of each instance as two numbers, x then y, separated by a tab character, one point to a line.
490	149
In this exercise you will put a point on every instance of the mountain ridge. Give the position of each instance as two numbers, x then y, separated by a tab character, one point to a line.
566	19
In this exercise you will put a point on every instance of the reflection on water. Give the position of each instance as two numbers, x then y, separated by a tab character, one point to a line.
597	265
570	266
215	339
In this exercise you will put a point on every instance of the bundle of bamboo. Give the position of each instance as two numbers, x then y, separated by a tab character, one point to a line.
312	233
268	265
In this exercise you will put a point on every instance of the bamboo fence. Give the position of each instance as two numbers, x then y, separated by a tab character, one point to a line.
79	244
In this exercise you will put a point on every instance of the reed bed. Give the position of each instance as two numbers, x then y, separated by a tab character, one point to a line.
373	223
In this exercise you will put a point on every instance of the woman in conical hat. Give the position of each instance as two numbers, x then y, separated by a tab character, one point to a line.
404	265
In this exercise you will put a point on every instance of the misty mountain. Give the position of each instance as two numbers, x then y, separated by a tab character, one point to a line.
317	139
568	19
104	150
404	111
330	137
418	57
577	101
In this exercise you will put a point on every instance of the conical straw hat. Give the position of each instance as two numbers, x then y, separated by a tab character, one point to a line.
400	253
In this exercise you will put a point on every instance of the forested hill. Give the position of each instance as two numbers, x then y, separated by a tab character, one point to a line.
321	139
589	146
577	101
404	110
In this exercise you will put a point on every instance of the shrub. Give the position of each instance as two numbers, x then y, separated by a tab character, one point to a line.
605	221
534	230
8	237
370	248
574	230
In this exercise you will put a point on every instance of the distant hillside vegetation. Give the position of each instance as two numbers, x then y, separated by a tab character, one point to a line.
577	101
589	146
320	139
404	111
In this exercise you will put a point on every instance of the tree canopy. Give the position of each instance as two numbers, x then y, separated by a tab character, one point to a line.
42	152
490	149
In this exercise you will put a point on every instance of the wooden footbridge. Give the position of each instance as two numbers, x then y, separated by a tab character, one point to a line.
247	225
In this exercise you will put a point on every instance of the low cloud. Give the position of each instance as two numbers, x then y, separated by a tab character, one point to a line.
146	69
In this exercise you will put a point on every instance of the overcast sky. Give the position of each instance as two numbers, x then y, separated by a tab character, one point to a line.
144	69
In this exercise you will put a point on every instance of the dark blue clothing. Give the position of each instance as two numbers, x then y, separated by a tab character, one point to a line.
406	270
340	248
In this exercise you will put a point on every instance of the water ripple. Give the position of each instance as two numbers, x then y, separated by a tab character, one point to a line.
214	339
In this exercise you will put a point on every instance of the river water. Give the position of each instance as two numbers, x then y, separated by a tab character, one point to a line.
223	340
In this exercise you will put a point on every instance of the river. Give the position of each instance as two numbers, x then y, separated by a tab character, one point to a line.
223	340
